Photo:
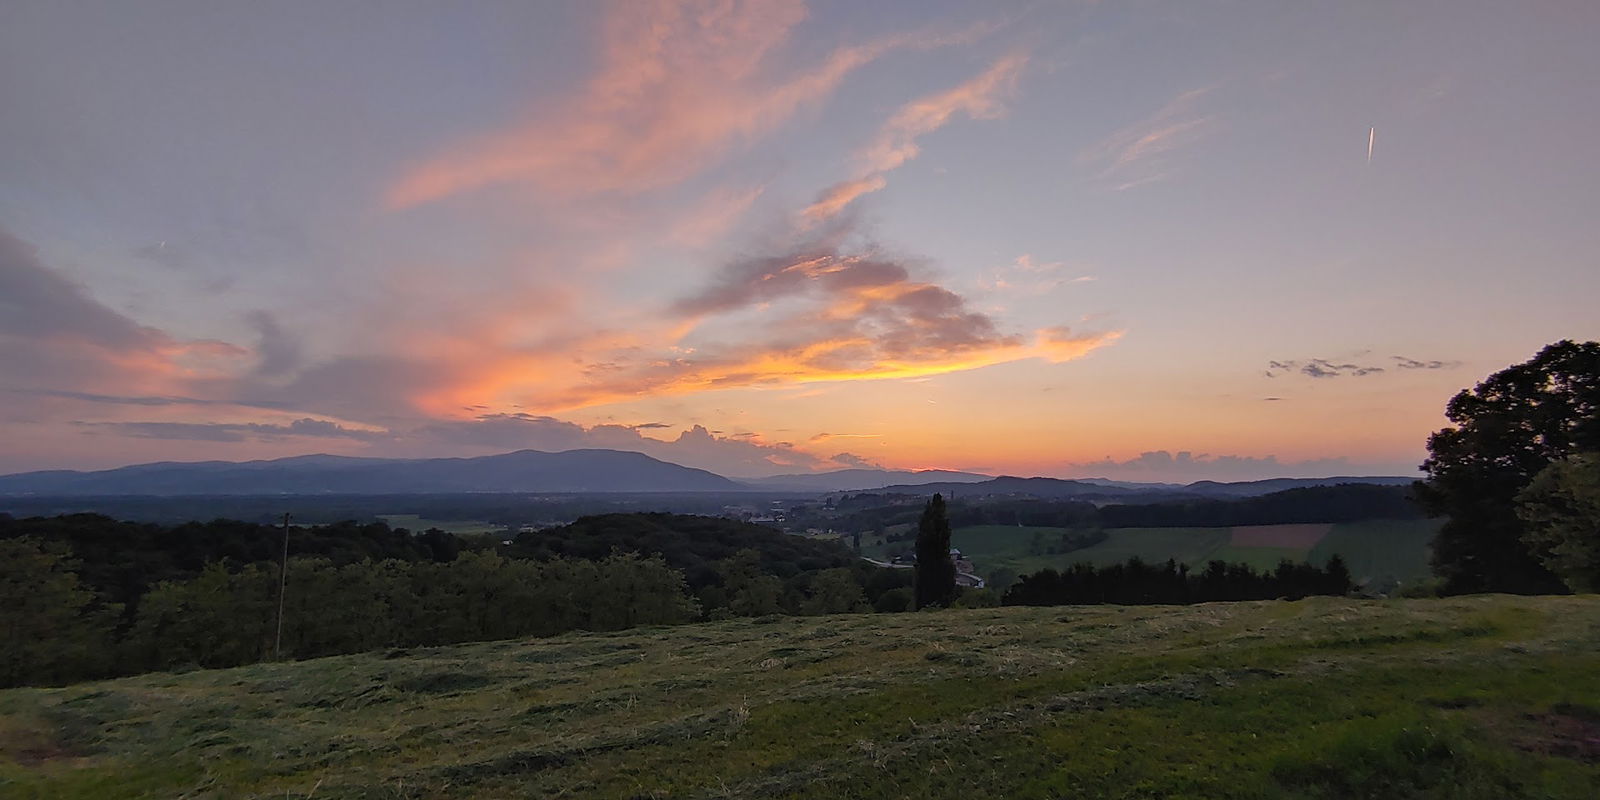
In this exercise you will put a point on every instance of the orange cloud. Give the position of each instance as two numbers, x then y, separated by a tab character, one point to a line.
834	198
896	143
679	82
825	316
717	212
821	361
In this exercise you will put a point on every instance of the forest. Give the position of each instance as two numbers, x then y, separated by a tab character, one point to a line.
1138	583
87	596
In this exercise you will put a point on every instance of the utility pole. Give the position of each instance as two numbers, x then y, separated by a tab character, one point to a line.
283	581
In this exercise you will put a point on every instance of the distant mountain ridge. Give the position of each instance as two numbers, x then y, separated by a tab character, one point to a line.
520	471
589	471
1103	489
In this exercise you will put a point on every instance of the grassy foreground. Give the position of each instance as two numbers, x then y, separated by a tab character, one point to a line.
1482	697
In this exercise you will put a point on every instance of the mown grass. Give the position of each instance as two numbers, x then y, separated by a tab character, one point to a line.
1322	698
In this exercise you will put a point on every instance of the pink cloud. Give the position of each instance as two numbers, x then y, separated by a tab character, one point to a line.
679	83
1135	155
896	143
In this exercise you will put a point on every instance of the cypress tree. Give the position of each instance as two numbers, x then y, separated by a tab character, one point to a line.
936	574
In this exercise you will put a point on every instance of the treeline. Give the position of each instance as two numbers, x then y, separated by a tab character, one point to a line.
85	596
121	561
689	543
1345	502
1138	583
732	568
512	510
54	629
1349	502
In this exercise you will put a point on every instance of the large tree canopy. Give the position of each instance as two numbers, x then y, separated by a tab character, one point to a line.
1507	429
1562	511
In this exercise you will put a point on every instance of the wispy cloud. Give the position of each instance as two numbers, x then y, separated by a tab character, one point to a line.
855	461
133	400
896	143
715	213
1029	275
823	437
238	431
1328	368
1402	362
679	83
1320	368
1138	154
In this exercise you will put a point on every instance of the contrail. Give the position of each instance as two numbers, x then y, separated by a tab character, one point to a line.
1372	135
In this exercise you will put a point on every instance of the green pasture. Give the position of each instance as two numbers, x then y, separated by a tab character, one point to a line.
1475	698
992	547
1376	549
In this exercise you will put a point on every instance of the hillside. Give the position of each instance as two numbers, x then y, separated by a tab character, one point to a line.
521	471
1480	697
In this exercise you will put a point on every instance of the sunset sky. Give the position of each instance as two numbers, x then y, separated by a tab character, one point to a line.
1138	240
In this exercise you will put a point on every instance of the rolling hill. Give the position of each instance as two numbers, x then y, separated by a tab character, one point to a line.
1473	697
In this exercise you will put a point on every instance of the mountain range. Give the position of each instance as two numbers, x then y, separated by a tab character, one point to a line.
579	471
521	471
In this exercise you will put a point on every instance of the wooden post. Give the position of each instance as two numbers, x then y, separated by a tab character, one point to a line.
283	581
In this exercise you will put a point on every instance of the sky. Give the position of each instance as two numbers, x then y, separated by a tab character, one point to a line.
1137	240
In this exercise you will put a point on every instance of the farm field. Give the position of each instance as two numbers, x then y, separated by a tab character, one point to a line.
1476	697
1378	548
1375	550
994	547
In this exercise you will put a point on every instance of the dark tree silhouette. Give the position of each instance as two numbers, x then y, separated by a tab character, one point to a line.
936	574
1507	429
1135	582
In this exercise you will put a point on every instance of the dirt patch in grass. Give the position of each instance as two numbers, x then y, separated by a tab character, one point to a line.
31	747
1567	731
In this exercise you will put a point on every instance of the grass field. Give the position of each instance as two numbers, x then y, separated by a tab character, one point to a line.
1394	548
992	547
1483	697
